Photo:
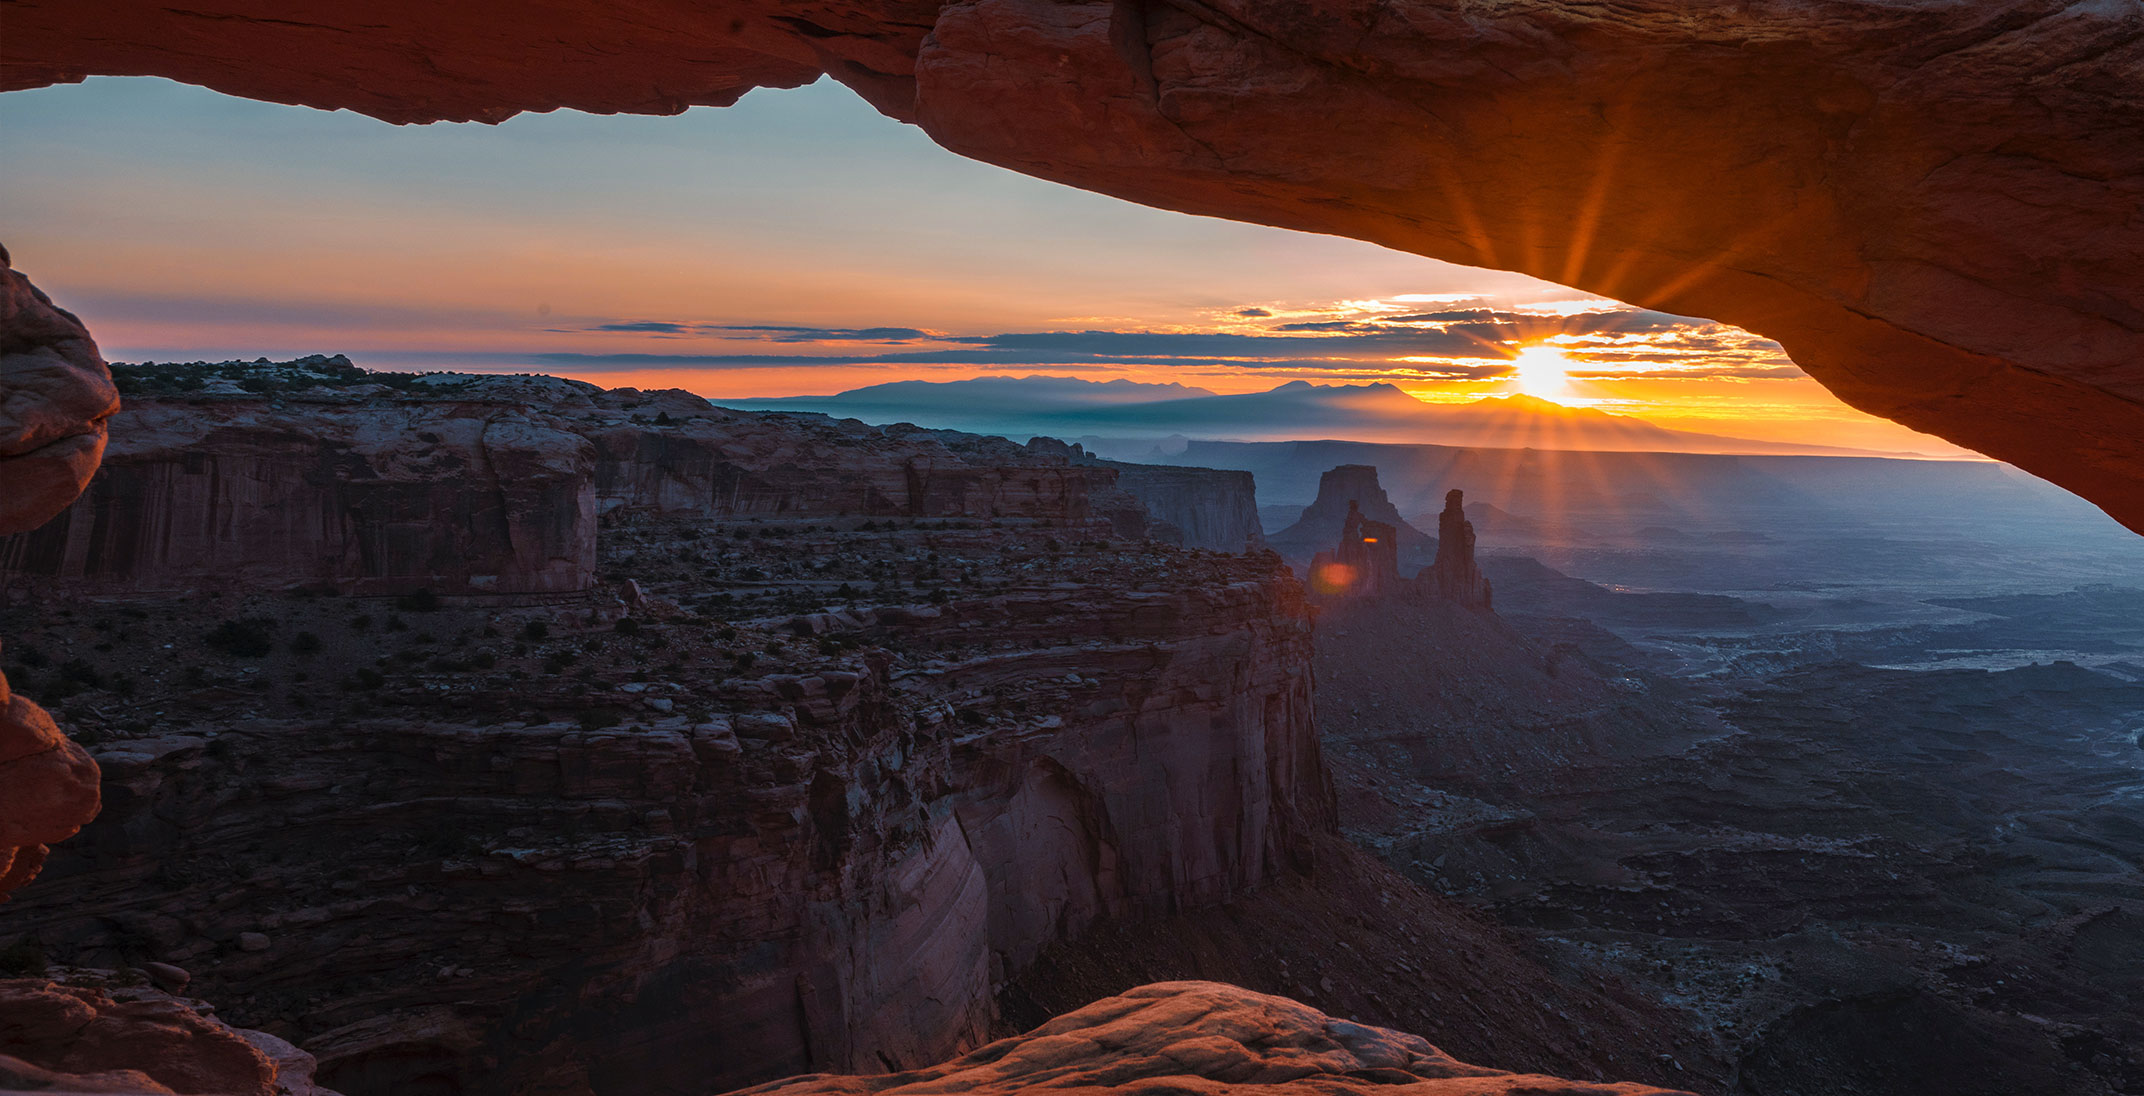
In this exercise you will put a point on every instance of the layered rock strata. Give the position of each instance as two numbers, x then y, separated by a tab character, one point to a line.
314	473
1214	509
494	877
1930	205
1176	1037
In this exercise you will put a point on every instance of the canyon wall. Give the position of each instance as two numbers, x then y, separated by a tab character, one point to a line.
1216	510
472	485
825	869
1931	205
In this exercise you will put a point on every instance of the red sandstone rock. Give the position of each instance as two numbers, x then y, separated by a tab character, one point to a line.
1364	562
1455	576
55	395
1932	205
1183	1037
48	788
99	1036
1342	490
847	862
1214	509
487	484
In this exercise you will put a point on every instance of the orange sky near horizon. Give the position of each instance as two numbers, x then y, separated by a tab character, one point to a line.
699	251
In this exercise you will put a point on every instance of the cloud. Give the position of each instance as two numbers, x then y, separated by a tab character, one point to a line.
1456	344
652	326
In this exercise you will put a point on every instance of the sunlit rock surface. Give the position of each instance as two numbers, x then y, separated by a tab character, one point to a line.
91	1031
1931	204
48	788
1178	1037
55	395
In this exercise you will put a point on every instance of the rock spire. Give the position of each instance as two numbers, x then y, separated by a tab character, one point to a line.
1455	576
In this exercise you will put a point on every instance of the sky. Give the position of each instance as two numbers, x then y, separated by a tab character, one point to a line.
796	243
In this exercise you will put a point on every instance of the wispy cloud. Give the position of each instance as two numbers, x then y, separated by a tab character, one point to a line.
1355	339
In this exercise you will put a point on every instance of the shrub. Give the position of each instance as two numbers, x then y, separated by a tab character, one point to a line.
82	673
361	622
418	601
595	719
626	626
367	678
243	637
304	643
535	629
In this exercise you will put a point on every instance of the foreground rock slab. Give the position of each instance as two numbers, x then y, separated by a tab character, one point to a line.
1185	1037
100	1031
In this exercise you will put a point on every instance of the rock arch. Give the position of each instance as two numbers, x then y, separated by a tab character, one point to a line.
1933	205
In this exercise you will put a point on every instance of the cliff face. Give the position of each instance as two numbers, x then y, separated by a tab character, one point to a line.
1216	510
1931	205
481	484
752	874
1344	490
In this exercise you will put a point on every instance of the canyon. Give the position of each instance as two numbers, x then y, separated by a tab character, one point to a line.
887	745
1930	205
489	734
498	734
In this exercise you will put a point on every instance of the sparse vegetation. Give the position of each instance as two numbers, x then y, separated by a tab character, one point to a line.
243	637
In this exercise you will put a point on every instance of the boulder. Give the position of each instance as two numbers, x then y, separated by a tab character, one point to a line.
55	395
1176	1037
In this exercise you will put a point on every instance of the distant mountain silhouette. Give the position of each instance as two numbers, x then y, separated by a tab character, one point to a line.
1069	407
978	396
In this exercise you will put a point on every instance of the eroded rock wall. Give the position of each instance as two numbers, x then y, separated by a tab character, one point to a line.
480	485
829	870
1216	510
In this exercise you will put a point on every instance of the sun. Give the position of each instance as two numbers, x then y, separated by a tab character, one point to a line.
1542	372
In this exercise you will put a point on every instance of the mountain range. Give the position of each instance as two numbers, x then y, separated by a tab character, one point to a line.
1118	413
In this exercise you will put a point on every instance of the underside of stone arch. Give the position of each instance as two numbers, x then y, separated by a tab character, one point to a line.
1937	206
